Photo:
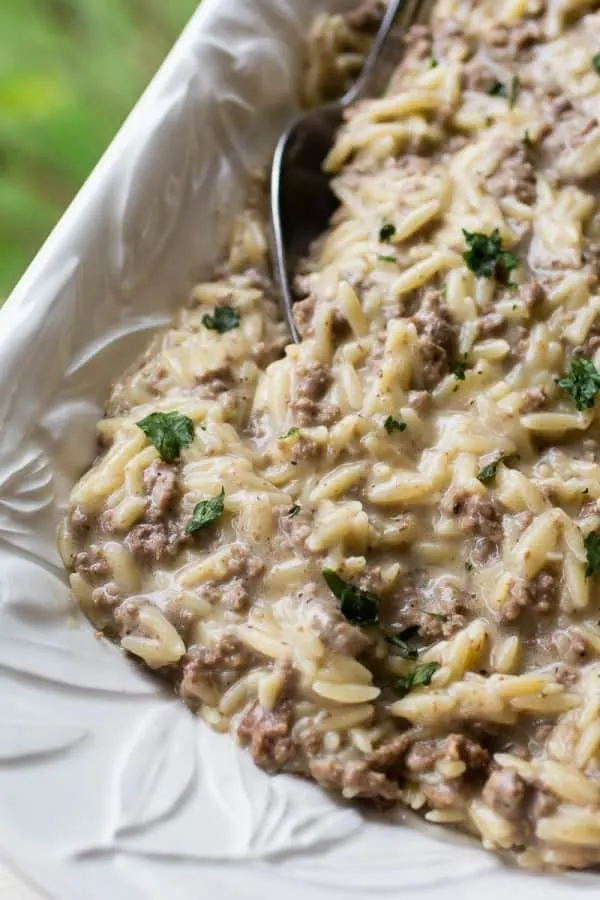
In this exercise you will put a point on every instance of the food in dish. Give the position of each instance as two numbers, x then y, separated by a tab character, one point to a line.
373	557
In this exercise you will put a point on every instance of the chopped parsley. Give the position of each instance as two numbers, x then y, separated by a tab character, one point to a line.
497	89
460	368
168	432
402	647
515	87
388	259
387	232
392	425
289	433
292	511
582	383
596	62
206	512
358	607
469	566
488	473
592	548
422	675
485	256
433	63
223	319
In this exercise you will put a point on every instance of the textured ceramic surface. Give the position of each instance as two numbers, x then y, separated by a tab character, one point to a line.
108	786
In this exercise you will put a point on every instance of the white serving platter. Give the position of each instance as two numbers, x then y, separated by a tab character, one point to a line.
109	788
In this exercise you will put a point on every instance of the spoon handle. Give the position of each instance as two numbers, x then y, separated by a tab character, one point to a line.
377	67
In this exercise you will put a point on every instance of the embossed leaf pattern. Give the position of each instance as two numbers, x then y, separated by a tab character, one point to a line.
233	787
159	769
404	858
301	817
271	815
65	665
20	741
40	638
27	486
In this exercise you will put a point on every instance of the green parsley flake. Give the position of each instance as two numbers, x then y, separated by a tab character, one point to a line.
582	383
168	432
433	63
596	62
206	512
387	232
387	259
461	368
402	647
515	87
292	511
469	566
488	473
497	89
289	433
223	319
358	607
392	425
592	547
485	256
422	675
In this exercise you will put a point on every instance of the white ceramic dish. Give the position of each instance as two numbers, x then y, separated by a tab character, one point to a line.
109	788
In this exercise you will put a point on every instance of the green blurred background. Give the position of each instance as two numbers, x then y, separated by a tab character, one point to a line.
70	70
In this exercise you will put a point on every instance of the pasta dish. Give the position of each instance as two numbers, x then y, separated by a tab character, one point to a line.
373	557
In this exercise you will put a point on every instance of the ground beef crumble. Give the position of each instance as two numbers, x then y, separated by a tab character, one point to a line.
505	793
303	312
229	653
242	569
538	595
215	382
449	792
514	175
313	380
208	670
329	624
438	607
155	541
268	734
354	776
105	600
518	802
160	481
80	522
92	564
437	341
478	514
305	448
533	399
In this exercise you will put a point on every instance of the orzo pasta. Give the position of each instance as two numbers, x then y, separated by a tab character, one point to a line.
372	557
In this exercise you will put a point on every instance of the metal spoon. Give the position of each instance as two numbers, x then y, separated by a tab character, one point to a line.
302	201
